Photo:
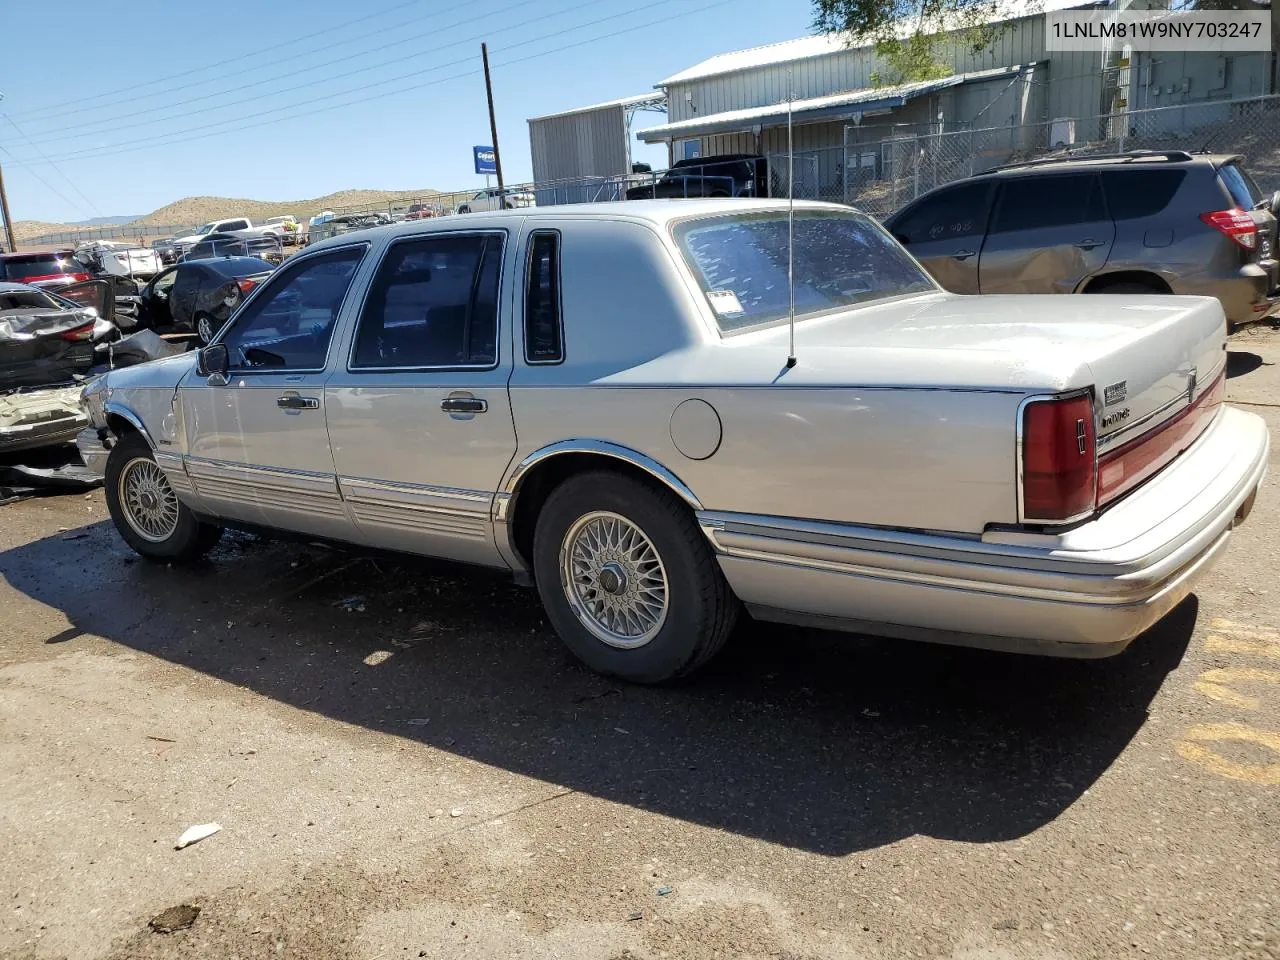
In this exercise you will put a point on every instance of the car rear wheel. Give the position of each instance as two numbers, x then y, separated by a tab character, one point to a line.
464	209
628	580
146	511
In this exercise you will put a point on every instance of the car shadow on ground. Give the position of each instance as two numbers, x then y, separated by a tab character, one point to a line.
824	742
1241	362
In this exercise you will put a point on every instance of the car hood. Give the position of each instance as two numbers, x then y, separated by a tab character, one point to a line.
190	238
155	373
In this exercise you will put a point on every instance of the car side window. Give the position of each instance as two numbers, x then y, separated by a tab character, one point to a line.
433	303
288	326
954	214
1029	203
164	283
543	329
1140	193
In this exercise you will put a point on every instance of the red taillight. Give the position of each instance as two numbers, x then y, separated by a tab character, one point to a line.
78	333
1122	469
246	285
1059	460
1236	224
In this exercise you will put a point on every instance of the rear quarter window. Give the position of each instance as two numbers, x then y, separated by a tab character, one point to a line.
1244	192
1139	193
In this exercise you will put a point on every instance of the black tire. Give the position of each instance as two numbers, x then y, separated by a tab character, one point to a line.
700	608
189	538
464	209
1128	286
213	325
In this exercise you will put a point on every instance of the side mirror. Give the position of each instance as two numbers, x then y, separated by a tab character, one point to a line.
213	361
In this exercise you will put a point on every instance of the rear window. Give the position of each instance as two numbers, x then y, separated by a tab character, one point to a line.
1240	185
233	267
1139	193
30	299
840	260
23	267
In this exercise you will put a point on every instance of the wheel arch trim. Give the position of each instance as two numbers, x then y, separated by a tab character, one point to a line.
124	413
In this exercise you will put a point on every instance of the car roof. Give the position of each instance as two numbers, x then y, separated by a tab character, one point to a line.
60	252
8	286
659	213
1135	159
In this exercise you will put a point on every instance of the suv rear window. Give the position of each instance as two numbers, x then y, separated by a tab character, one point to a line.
1240	185
1139	193
23	266
841	260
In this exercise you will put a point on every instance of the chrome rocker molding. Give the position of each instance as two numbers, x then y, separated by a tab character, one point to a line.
504	501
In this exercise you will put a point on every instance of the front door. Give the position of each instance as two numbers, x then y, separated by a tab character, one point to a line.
257	447
419	415
944	232
1050	233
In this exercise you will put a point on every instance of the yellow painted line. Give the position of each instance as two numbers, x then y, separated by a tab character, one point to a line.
1193	747
1259	648
1217	684
1245	630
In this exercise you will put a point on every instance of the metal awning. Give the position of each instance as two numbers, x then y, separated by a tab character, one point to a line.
833	106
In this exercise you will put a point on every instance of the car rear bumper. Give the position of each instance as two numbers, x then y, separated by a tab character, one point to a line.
40	418
1246	295
1086	592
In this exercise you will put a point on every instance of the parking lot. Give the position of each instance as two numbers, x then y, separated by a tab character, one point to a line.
405	762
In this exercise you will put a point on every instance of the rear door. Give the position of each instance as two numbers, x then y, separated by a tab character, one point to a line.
418	412
1048	234
944	231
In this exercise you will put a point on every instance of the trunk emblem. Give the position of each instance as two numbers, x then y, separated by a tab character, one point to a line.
1114	419
1115	393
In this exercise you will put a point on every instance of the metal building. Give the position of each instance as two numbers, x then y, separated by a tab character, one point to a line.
584	154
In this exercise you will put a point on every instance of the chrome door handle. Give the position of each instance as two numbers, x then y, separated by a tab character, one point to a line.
1088	243
464	405
962	255
291	401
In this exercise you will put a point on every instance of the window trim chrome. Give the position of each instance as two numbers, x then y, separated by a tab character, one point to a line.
328	353
1018	452
432	368
524	303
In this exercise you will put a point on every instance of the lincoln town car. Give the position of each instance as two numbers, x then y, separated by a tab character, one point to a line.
632	408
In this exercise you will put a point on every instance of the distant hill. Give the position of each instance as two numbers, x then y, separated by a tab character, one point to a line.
104	221
191	211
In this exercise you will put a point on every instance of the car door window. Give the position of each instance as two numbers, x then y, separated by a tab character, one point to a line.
543	331
164	284
1031	203
956	214
289	325
433	303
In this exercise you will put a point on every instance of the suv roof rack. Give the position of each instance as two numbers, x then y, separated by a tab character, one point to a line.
1168	156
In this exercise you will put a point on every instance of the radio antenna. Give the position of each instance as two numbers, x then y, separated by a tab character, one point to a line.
791	233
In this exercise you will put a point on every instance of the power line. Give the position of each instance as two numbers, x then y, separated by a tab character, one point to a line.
244	56
78	131
161	139
420	86
169	91
56	168
52	189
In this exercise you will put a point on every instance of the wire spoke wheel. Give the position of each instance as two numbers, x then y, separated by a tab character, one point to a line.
149	504
614	579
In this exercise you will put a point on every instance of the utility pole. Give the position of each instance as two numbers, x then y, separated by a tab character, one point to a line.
493	124
4	210
8	220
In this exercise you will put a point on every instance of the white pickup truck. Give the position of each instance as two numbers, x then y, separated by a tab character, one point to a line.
237	226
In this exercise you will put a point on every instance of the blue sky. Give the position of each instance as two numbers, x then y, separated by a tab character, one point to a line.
137	110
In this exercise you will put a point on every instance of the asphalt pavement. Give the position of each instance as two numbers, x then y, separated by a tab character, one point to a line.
404	762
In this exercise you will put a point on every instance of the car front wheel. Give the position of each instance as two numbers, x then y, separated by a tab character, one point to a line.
206	327
628	580
146	511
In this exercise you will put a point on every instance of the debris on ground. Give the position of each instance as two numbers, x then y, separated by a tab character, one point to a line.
352	604
195	834
175	918
455	812
664	891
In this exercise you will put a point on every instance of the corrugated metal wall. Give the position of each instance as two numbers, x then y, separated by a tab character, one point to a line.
584	144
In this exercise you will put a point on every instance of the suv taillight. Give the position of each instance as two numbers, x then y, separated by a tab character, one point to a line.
1059	459
1236	224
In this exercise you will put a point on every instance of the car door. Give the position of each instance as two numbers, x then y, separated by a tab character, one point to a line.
256	445
153	309
1048	234
944	231
419	417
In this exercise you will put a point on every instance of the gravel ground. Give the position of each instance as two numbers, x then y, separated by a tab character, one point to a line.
405	763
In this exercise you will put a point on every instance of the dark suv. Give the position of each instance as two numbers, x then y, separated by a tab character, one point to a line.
1139	222
726	175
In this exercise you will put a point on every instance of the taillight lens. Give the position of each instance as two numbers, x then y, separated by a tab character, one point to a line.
1236	224
1059	460
245	285
78	333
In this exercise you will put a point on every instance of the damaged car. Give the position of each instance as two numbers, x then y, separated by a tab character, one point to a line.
199	295
46	349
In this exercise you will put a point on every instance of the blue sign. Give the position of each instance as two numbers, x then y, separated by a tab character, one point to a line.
486	162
